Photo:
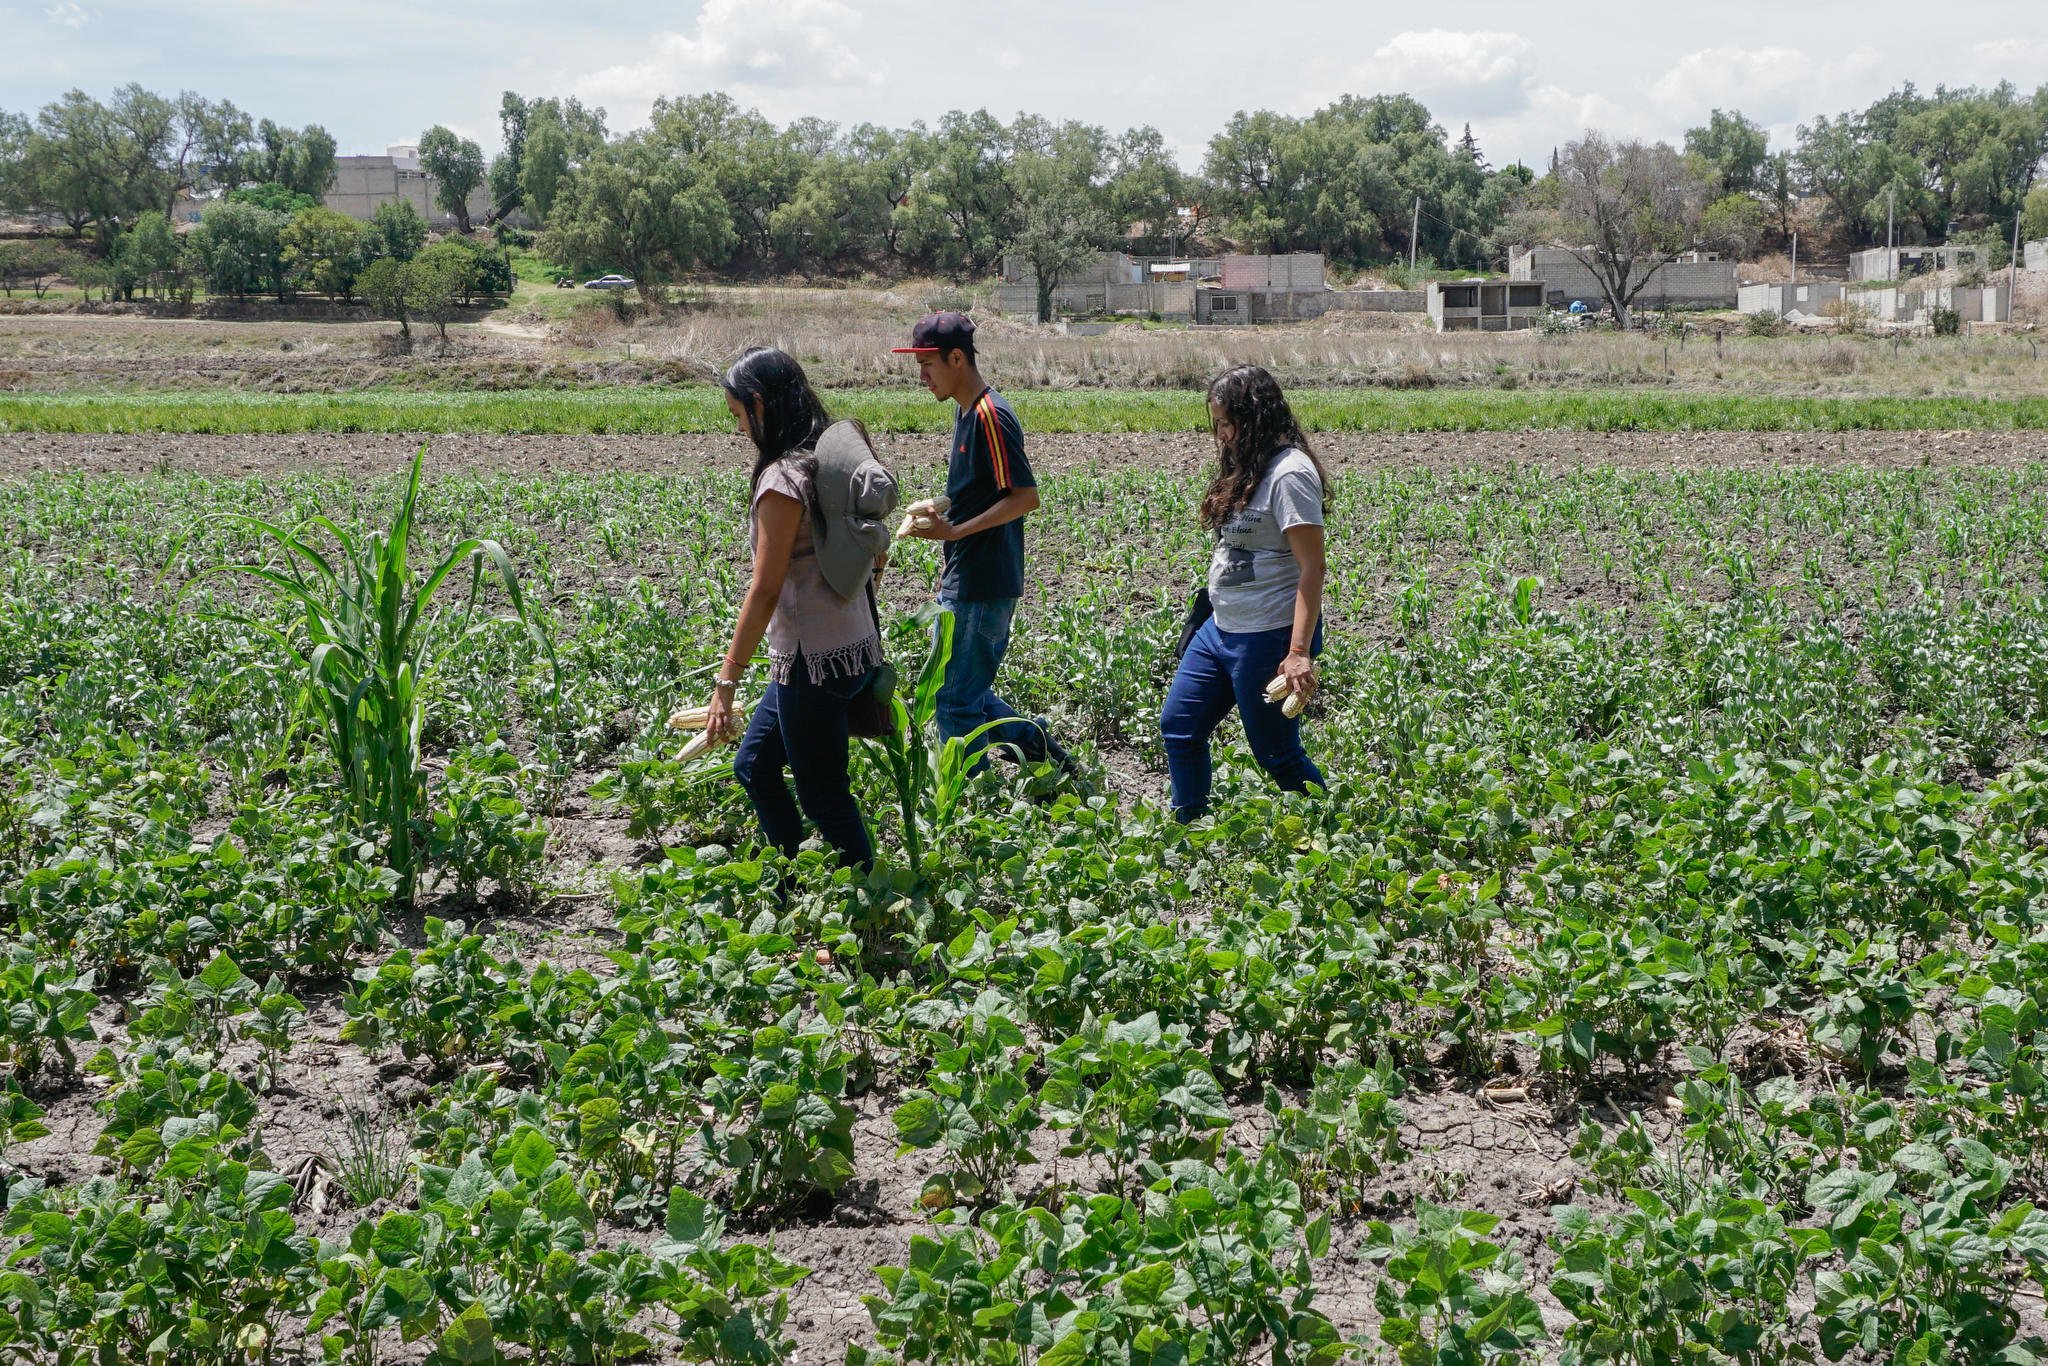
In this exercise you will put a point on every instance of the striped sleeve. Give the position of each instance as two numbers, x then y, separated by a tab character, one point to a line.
1002	439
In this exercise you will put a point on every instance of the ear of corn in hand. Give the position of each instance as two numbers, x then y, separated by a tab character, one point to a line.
1291	702
700	743
919	515
689	718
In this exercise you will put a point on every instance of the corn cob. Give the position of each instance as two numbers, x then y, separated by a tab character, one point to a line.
1291	702
689	718
919	515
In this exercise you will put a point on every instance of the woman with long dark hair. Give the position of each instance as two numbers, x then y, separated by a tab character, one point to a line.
823	645
1265	507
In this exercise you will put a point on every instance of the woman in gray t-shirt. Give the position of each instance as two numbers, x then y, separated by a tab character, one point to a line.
1265	586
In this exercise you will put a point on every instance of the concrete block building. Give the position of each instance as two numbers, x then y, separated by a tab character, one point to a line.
362	184
1695	280
1792	296
1115	282
2035	255
1485	305
1915	306
1897	263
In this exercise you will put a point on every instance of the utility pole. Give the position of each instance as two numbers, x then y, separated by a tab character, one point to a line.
2012	272
1891	205
1795	258
1415	230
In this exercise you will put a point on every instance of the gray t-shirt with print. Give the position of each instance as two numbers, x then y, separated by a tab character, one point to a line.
1253	574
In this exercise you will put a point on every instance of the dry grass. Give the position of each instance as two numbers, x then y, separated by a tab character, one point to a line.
844	336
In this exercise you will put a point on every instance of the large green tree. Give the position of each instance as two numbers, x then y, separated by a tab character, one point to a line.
641	208
241	248
300	159
457	166
322	249
1730	151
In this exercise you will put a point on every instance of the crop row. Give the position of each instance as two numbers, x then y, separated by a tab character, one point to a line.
701	409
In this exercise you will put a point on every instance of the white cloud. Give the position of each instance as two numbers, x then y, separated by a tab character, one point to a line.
1777	87
68	13
1458	74
743	47
1447	57
2010	53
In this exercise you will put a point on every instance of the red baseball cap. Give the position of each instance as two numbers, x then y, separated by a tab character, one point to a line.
938	333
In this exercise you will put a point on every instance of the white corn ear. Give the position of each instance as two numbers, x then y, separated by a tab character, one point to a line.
919	514
699	744
689	718
1291	708
1278	688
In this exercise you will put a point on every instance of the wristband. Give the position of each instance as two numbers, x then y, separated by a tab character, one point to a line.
726	684
1297	649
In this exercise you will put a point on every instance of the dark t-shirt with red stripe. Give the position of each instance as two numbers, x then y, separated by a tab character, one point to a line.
987	462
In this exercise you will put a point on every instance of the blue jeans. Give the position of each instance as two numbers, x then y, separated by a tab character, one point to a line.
801	726
1222	669
967	699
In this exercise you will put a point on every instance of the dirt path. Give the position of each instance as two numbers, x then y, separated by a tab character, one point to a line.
373	454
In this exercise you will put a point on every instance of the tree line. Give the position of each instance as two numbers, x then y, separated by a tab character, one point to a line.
710	185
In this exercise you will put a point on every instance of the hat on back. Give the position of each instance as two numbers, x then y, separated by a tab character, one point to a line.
938	333
856	493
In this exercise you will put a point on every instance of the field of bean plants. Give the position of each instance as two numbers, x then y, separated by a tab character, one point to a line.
1663	977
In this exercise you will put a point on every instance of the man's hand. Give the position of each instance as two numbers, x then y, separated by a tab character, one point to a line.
937	527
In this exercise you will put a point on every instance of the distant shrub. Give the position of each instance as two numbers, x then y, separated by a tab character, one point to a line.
1764	323
1947	322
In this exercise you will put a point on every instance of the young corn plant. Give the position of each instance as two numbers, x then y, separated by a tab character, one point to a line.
367	639
930	779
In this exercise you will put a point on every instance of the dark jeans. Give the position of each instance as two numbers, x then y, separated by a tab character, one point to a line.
1221	670
801	726
967	699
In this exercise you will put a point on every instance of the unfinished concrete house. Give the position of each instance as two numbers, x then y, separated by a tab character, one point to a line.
1915	306
2035	256
1485	305
1899	263
1115	282
1786	298
1696	280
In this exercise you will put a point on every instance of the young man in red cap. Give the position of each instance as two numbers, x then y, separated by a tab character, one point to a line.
993	490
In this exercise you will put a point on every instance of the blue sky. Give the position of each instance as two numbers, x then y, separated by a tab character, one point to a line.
1526	76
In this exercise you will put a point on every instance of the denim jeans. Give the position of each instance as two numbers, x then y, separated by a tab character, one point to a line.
967	699
1222	669
800	726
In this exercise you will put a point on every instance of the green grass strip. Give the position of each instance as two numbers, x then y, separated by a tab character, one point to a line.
702	409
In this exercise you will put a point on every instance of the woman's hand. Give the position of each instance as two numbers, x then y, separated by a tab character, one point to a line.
719	721
1300	672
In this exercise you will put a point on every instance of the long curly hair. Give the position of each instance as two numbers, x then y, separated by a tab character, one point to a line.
1262	427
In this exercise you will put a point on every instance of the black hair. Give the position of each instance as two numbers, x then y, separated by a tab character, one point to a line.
789	419
965	348
1262	427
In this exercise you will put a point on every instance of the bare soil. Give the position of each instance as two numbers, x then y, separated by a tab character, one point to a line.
373	455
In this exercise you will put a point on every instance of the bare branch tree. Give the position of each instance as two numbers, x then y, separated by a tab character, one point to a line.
1635	206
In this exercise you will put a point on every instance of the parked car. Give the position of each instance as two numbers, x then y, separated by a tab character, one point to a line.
610	282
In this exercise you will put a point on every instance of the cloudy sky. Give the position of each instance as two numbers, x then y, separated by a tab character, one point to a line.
1526	76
